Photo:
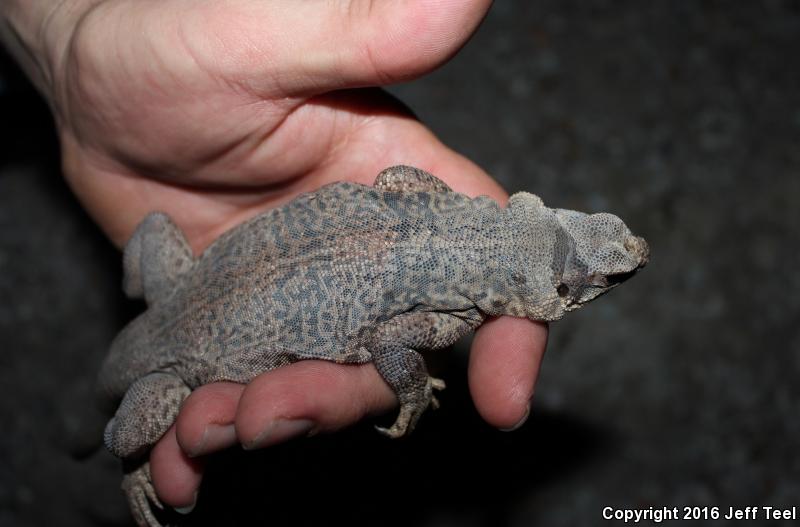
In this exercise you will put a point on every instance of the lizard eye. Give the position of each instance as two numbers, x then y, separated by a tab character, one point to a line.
562	290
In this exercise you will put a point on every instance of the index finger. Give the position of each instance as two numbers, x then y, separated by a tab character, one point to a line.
503	367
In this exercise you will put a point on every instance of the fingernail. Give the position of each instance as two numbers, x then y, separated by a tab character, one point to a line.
280	430
521	421
215	437
189	508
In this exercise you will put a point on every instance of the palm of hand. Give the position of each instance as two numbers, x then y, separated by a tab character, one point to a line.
212	113
194	117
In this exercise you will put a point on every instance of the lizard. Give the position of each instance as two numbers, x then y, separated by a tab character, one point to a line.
348	273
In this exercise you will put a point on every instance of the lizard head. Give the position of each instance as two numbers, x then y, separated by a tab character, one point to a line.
563	259
596	253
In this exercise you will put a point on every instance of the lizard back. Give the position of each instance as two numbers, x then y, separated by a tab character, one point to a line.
302	281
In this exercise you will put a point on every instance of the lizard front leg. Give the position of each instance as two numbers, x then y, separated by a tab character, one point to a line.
395	350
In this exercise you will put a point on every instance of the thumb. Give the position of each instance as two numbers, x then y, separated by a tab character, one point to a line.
305	48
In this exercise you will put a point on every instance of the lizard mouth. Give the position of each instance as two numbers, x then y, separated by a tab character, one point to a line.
615	279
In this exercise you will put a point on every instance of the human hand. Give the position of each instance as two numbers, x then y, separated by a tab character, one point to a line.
213	111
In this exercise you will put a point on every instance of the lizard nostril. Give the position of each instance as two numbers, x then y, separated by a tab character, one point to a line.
637	246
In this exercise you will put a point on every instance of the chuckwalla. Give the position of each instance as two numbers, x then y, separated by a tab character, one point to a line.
350	274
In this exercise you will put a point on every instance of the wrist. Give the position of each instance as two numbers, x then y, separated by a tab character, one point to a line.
37	33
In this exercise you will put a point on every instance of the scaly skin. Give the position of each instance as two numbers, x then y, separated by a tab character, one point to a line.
350	274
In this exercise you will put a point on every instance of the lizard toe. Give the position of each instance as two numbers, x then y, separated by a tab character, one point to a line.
141	495
437	384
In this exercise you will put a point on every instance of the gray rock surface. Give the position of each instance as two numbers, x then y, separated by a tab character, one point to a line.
681	390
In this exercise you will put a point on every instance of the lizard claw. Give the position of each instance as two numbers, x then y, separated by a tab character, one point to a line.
436	384
402	425
410	412
392	433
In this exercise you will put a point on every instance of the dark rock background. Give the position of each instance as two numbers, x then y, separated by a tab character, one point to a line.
680	389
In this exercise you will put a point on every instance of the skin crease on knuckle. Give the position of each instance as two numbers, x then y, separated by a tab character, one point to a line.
338	396
176	477
210	405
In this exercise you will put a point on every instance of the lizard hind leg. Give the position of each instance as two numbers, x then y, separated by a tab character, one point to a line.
148	409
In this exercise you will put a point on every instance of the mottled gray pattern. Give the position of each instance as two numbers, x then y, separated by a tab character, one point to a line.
350	274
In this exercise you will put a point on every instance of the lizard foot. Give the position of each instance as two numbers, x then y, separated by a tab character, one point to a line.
138	488
411	411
